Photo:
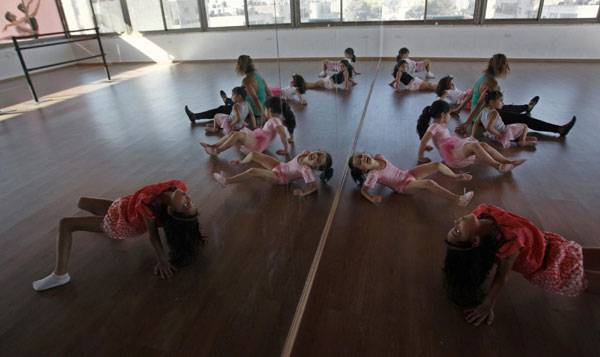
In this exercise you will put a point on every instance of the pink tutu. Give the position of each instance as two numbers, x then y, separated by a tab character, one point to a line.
222	121
562	271
513	132
276	91
420	66
468	105
451	151
329	83
256	141
333	66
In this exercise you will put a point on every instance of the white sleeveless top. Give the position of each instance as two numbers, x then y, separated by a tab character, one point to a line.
498	124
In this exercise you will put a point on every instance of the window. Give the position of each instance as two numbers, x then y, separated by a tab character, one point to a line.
320	11
79	15
109	15
181	14
450	9
145	15
363	10
265	12
570	9
512	9
225	13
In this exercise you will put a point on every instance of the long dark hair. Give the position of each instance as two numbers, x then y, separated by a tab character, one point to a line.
443	85
299	83
401	52
433	111
350	51
348	67
397	67
357	174
183	233
466	270
492	95
278	106
326	169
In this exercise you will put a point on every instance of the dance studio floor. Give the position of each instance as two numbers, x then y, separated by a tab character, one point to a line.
377	288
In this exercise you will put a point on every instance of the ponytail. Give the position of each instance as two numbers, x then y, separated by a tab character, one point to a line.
357	174
492	95
350	51
326	169
433	111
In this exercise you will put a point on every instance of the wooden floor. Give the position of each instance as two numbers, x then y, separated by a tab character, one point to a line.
378	287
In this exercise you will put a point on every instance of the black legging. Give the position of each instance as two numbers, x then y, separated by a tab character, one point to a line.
512	114
210	114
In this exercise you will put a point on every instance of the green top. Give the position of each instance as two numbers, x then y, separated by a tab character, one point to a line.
476	94
260	93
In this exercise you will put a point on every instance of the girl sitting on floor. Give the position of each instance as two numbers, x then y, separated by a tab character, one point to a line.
366	171
333	66
259	139
280	173
494	126
297	87
331	82
491	235
448	92
235	120
413	84
163	204
456	152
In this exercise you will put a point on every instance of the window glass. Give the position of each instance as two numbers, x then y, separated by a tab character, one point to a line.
320	11
450	9
512	9
109	15
145	15
401	10
181	14
78	14
570	9
264	12
225	13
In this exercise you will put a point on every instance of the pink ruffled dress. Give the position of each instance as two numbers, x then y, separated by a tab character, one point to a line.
259	139
292	170
451	147
509	132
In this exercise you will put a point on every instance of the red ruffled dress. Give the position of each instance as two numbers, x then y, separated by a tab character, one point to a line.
545	259
125	217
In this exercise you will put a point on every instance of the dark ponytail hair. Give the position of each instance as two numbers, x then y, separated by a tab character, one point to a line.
278	106
326	169
348	66
357	174
443	85
433	111
466	270
492	95
182	232
299	83
350	51
401	52
397	67
241	91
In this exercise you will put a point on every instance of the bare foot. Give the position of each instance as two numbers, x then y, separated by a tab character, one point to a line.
205	145
516	163
211	129
236	163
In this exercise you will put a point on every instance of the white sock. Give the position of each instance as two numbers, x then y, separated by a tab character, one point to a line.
323	74
51	281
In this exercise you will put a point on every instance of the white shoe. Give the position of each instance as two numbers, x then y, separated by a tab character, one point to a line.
430	75
323	74
219	178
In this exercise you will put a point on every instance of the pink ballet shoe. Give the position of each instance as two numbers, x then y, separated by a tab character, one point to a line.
464	177
236	163
219	178
504	168
211	151
466	198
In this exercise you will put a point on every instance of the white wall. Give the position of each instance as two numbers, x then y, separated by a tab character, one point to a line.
516	41
10	66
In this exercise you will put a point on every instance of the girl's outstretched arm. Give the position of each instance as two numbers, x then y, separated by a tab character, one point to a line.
485	311
424	147
475	126
284	141
490	125
313	188
346	80
238	115
373	198
252	119
464	102
163	267
302	101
